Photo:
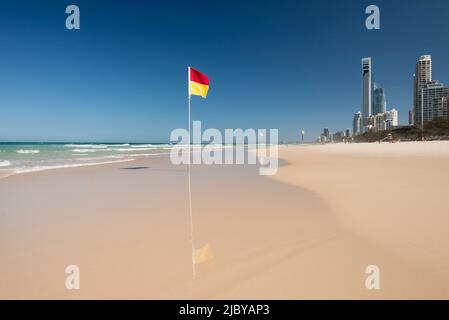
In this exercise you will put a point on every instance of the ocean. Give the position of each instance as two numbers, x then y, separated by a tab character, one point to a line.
16	158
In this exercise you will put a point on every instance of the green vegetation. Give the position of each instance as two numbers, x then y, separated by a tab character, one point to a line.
437	129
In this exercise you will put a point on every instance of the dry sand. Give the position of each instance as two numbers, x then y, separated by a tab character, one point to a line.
307	232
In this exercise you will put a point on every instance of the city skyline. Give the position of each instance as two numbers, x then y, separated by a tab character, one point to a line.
127	81
430	101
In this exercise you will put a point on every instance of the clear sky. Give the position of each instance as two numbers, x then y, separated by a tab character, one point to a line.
272	64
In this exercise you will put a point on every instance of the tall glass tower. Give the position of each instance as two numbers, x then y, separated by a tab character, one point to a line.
379	100
367	108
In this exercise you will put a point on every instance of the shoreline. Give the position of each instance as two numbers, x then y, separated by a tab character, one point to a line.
426	147
288	236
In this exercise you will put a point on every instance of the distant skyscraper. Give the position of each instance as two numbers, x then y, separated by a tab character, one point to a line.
411	122
338	136
391	119
325	136
384	121
379	100
367	94
422	76
347	133
357	123
378	122
430	97
434	101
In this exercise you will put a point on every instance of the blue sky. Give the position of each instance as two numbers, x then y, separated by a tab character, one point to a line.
272	64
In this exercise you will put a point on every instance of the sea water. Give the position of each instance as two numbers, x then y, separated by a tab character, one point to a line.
16	158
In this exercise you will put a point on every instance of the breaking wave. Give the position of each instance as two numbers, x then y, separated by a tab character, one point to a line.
27	151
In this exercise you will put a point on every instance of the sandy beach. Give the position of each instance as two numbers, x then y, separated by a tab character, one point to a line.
307	232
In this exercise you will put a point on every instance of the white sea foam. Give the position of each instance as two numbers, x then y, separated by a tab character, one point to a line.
133	149
9	169
143	145
87	150
93	146
63	166
27	151
153	146
4	163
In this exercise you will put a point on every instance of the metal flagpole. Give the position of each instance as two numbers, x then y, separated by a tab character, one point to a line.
192	239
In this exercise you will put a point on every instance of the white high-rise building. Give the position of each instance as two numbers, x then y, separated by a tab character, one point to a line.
430	97
367	92
384	121
391	119
434	101
422	76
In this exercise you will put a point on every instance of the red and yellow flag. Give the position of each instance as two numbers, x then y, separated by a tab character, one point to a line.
198	83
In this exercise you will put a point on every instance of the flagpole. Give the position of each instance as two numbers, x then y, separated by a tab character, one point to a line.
192	239
188	72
